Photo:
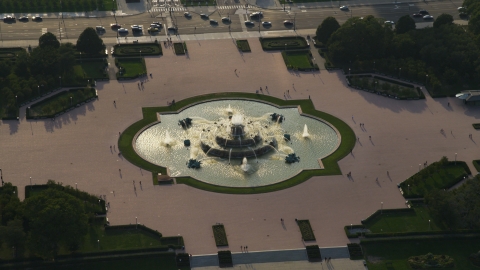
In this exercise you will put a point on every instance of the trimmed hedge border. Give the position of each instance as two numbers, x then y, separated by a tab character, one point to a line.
225	258
123	45
179	48
476	126
220	235
69	108
420	93
306	230
282	47
243	45
355	251
476	164
353	235
330	163
313	253
183	260
426	233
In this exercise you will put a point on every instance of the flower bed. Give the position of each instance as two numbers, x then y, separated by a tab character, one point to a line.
429	261
137	49
179	48
313	253
220	235
243	45
306	230
284	43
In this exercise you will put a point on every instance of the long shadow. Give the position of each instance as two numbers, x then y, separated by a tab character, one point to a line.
13	126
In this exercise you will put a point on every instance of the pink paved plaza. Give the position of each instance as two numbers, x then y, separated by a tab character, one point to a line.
75	150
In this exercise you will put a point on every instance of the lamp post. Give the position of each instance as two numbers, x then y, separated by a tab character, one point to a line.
71	101
285	47
284	2
30	180
16	100
399	72
429	227
455	158
419	167
408	188
98	242
375	85
351	226
76	186
349	71
140	53
60	80
38	88
373	66
294	20
426	79
136	222
1	176
381	208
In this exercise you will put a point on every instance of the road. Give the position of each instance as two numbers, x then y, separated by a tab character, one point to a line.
303	18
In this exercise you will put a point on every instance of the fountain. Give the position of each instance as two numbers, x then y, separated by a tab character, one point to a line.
245	166
305	132
217	133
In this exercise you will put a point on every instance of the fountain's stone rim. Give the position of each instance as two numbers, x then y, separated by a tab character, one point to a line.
299	177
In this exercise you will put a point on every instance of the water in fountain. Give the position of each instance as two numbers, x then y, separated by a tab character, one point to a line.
237	119
229	109
245	166
256	153
167	141
305	132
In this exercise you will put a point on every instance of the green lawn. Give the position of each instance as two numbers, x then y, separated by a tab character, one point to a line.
243	45
422	182
403	222
330	162
284	43
397	252
179	48
39	6
298	59
137	49
60	102
130	67
91	69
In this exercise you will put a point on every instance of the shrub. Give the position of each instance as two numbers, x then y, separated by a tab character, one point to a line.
225	258
431	261
476	126
355	251
306	230
220	235
313	253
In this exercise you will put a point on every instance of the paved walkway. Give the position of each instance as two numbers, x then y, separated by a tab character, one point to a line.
75	149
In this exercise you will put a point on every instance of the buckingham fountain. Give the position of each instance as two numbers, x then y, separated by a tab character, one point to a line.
237	143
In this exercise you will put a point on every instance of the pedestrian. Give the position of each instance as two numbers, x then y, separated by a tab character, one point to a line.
114	103
151	75
110	148
235	70
260	88
266	87
120	170
256	91
325	259
246	248
288	91
448	104
388	173
140	183
370	137
241	248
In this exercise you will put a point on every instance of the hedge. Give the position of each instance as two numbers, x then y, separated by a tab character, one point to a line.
426	233
476	164
476	126
306	230
134	227
183	260
243	45
220	235
353	235
225	258
119	49
355	251
179	48
313	253
278	43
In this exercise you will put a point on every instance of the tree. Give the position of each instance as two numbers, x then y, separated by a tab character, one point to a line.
405	24
404	46
54	218
66	58
442	207
326	29
443	19
48	40
13	234
90	42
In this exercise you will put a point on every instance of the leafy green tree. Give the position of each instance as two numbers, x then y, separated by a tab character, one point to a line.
48	40
66	58
54	218
9	202
443	19
404	46
405	24
326	29
13	234
90	42
442	207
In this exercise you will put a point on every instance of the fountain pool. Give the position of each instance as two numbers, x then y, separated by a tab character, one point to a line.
239	142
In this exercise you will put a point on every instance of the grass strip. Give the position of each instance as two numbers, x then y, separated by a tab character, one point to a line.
306	230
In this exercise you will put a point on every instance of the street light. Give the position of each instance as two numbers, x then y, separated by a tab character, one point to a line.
285	47
30	180
60	79
374	66
429	224
419	166
76	186
38	87
399	72
426	79
136	222
140	53
98	241
1	176
408	188
455	158
349	71
71	102
381	209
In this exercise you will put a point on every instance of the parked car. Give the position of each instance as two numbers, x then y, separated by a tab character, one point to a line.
9	19
37	18
267	23
187	14
417	15
249	23
99	28
213	22
390	22
463	15
287	23
204	16
115	26
256	15
344	8
153	29
157	23
23	19
461	9
226	19
135	26
428	17
123	31
423	12
172	29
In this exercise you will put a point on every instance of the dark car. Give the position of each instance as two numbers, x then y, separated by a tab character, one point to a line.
23	19
115	26
423	12
463	15
287	23
36	18
204	16
417	15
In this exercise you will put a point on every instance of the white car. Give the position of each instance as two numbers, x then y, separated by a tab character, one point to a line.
428	17
390	22
100	28
135	26
154	25
123	31
187	14
344	8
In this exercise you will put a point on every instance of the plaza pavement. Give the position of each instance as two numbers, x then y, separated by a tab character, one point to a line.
75	149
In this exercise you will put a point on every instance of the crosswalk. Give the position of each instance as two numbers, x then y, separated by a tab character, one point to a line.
158	9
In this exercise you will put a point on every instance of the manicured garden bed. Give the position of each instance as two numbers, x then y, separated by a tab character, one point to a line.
92	69
306	230
330	162
299	60
60	103
437	175
179	48
225	258
283	43
313	253
137	49
476	126
196	3
476	164
242	45
385	86
220	235
355	251
394	253
130	68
